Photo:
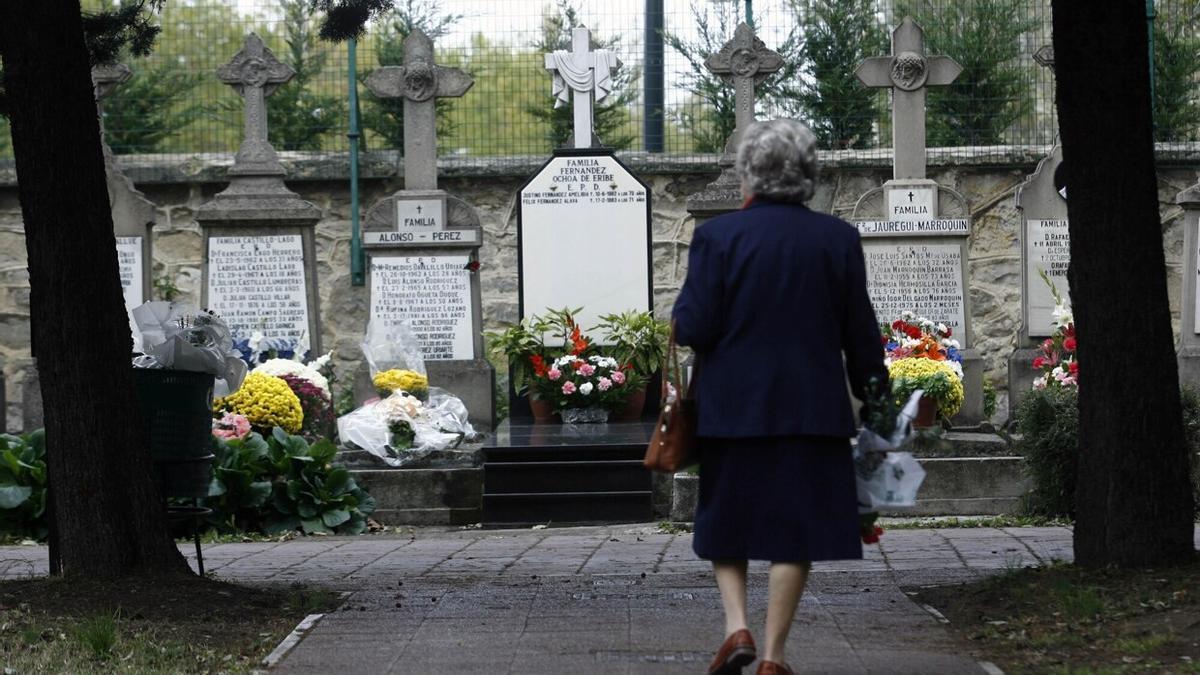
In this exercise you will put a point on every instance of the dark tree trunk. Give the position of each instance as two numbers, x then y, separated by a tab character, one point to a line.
1133	501
109	516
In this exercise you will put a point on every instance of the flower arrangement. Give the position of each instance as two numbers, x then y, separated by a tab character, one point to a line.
230	427
399	411
938	379
922	354
1057	363
266	401
393	380
311	372
574	381
317	405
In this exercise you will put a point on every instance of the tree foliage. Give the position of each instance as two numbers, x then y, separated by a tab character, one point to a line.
984	37
838	35
610	117
711	122
298	118
1176	72
384	117
147	113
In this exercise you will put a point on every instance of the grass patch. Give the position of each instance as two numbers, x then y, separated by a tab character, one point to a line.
187	625
953	522
1072	621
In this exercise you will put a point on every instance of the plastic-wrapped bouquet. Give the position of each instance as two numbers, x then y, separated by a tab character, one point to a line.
179	336
1056	361
886	476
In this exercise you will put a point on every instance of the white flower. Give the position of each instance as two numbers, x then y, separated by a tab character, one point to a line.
278	367
1062	315
320	362
956	367
585	388
906	315
401	406
941	327
302	347
255	339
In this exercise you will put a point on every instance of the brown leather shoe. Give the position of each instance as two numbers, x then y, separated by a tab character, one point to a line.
737	652
772	668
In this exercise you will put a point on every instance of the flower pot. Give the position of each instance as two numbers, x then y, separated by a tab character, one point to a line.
542	411
634	405
927	410
588	415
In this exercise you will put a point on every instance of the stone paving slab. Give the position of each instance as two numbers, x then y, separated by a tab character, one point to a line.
618	599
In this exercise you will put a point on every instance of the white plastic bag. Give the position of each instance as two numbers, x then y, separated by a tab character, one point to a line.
179	336
440	424
389	345
888	478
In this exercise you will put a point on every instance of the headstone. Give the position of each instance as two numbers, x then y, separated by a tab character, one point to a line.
914	231
133	215
423	243
583	225
745	62
1189	313
586	77
1045	248
260	270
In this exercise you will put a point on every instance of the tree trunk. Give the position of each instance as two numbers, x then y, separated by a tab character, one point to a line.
110	518
1133	500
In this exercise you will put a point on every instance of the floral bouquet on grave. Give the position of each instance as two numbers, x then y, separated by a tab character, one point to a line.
886	477
921	354
1057	362
581	377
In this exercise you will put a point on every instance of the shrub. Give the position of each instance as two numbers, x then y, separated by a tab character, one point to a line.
23	486
1048	421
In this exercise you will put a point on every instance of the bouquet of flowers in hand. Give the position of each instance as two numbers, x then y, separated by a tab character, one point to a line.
885	476
921	354
1056	361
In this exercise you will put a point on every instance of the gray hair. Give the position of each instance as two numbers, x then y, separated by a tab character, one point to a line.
777	159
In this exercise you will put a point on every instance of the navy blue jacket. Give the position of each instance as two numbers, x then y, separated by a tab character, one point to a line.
775	295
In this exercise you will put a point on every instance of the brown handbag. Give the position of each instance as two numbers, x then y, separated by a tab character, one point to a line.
673	444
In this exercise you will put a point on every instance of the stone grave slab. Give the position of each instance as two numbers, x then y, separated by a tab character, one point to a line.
423	243
1189	329
1045	247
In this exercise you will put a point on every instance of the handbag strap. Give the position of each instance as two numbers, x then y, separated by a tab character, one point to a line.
672	360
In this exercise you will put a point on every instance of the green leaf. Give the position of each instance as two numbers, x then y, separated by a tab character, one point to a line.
335	517
366	503
216	488
12	496
314	527
281	525
258	493
307	510
338	482
355	526
323	451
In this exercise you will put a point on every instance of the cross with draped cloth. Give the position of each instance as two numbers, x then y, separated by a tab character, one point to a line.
589	74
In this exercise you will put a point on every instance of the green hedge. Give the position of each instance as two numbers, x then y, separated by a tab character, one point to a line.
1048	422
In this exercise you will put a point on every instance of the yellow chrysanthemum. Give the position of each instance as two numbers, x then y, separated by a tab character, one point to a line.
920	373
408	381
266	401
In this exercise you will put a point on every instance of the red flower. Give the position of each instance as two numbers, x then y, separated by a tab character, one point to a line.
871	535
883	340
1039	362
897	325
578	342
1069	331
1069	344
1073	368
948	331
912	332
539	365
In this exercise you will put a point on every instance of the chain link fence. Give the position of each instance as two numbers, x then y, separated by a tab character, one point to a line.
664	100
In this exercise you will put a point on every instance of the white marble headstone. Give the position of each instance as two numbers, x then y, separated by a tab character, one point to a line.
258	283
433	293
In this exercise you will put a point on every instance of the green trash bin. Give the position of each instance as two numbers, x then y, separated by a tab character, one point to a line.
177	411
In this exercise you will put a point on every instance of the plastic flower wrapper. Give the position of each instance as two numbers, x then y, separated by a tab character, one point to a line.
179	336
885	476
401	429
392	346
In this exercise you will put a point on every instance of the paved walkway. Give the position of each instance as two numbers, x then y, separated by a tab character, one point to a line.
619	599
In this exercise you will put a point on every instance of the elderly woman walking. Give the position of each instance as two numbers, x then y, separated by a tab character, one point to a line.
775	307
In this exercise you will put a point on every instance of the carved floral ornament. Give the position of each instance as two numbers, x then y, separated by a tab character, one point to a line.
420	82
909	71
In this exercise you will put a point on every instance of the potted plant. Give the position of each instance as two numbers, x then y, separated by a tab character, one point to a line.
639	340
520	346
922	354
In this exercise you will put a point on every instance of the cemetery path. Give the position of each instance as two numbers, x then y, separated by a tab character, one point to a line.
616	599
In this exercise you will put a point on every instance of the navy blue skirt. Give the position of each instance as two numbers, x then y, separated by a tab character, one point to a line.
782	499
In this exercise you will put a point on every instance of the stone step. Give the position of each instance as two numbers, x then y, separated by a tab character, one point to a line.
963	444
566	508
442	496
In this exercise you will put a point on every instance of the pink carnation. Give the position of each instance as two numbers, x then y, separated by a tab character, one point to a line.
231	426
605	384
587	369
554	374
568	388
618	377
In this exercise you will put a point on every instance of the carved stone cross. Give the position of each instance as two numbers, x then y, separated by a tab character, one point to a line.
105	79
907	72
420	82
255	74
585	73
745	62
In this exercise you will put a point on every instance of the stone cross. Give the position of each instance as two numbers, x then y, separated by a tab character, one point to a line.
586	73
907	72
255	74
745	62
105	79
420	82
1044	56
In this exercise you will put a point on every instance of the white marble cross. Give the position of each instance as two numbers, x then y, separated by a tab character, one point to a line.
745	62
255	74
420	82
586	73
907	72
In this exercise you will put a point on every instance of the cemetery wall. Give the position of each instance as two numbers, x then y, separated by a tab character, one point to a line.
178	189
